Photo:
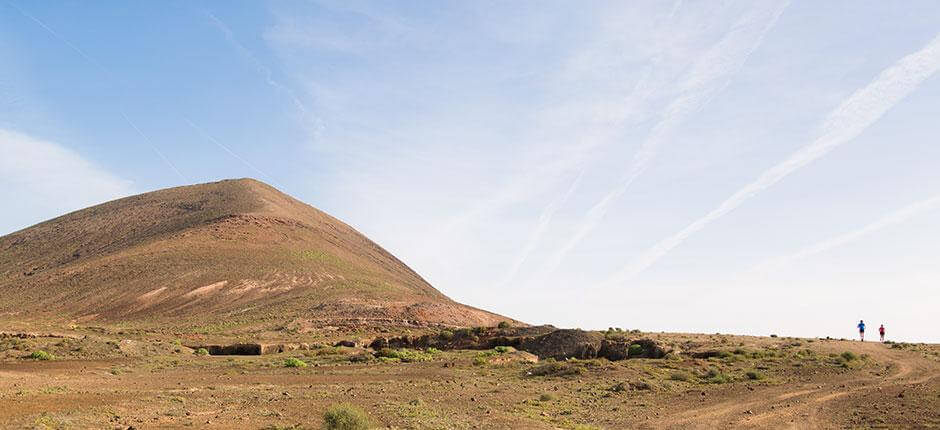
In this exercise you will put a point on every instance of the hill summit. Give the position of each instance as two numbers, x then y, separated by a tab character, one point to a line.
204	253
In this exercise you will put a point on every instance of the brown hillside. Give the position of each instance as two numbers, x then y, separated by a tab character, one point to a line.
205	252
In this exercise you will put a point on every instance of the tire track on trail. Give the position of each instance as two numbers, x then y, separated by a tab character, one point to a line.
803	406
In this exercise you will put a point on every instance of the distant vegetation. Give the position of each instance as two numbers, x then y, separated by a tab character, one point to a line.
754	375
346	417
680	375
557	368
294	362
714	376
406	355
41	355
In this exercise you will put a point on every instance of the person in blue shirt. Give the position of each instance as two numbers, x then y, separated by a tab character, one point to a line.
861	330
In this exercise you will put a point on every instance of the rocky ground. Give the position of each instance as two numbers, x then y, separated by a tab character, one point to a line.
116	378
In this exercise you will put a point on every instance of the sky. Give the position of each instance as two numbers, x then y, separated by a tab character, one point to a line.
748	167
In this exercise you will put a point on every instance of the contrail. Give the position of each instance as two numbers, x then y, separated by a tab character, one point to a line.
315	128
152	146
257	64
846	122
64	40
544	220
709	76
892	218
110	77
540	177
226	149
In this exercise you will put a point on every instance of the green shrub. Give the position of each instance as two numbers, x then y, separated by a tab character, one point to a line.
546	397
503	349
406	355
754	375
635	350
41	355
345	417
715	377
294	362
202	351
679	376
555	368
849	356
446	335
724	354
503	324
480	361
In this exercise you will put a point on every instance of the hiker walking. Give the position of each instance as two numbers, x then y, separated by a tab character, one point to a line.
861	330
881	331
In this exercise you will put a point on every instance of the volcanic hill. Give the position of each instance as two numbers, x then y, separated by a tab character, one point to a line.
209	253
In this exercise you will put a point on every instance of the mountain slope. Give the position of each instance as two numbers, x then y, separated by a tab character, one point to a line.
201	252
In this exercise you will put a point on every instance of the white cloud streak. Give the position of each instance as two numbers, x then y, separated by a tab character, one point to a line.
708	77
541	227
888	220
44	179
846	122
110	76
313	124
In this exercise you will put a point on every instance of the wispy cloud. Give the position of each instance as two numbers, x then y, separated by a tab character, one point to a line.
708	77
538	232
43	179
111	79
312	123
888	220
863	108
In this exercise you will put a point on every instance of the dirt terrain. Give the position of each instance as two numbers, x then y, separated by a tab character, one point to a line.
109	378
232	305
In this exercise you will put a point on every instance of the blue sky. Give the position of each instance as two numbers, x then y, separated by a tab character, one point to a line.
743	167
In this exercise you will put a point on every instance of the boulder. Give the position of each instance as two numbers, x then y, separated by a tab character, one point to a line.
564	344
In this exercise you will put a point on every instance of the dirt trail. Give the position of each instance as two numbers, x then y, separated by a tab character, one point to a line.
809	405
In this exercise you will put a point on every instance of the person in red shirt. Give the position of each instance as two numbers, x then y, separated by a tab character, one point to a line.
881	331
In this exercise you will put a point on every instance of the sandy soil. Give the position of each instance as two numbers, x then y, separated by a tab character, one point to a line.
797	383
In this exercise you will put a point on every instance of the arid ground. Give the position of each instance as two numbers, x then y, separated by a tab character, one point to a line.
109	377
232	305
